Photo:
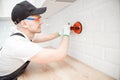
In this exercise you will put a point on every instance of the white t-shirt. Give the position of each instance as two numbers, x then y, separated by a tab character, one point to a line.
15	51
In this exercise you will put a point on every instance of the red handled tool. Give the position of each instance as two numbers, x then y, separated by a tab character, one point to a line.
77	27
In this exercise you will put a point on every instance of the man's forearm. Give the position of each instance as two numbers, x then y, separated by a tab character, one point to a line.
38	39
64	44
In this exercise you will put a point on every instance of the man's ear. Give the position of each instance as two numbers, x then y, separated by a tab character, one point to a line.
23	23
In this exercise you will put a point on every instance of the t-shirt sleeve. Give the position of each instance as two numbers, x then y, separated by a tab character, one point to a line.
24	50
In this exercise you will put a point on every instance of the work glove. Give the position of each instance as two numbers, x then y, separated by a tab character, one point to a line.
66	30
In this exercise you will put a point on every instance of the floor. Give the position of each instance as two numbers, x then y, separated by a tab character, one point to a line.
69	69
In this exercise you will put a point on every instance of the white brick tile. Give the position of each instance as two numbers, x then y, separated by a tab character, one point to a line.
112	55
107	39
106	67
89	49
82	57
97	51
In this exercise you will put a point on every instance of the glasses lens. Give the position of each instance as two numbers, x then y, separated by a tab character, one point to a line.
36	19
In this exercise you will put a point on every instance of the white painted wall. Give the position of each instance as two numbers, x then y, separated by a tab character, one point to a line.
99	43
5	30
7	6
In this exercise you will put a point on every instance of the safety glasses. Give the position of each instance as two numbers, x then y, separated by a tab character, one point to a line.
34	19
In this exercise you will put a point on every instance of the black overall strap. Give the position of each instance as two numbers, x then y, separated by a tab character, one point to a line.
15	74
0	48
20	34
19	71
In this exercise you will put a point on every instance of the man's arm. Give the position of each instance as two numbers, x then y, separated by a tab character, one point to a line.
47	55
38	38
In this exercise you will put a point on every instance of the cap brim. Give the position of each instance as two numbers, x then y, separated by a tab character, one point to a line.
39	11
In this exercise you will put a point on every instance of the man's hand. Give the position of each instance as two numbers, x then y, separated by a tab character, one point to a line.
66	30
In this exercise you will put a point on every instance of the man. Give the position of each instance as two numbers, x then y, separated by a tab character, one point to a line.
20	48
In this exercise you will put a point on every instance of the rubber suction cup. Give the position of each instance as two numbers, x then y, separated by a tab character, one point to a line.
77	27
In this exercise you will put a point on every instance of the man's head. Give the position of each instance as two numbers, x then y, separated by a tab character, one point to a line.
24	9
27	16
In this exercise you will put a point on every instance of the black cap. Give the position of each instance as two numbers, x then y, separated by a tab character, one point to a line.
24	9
